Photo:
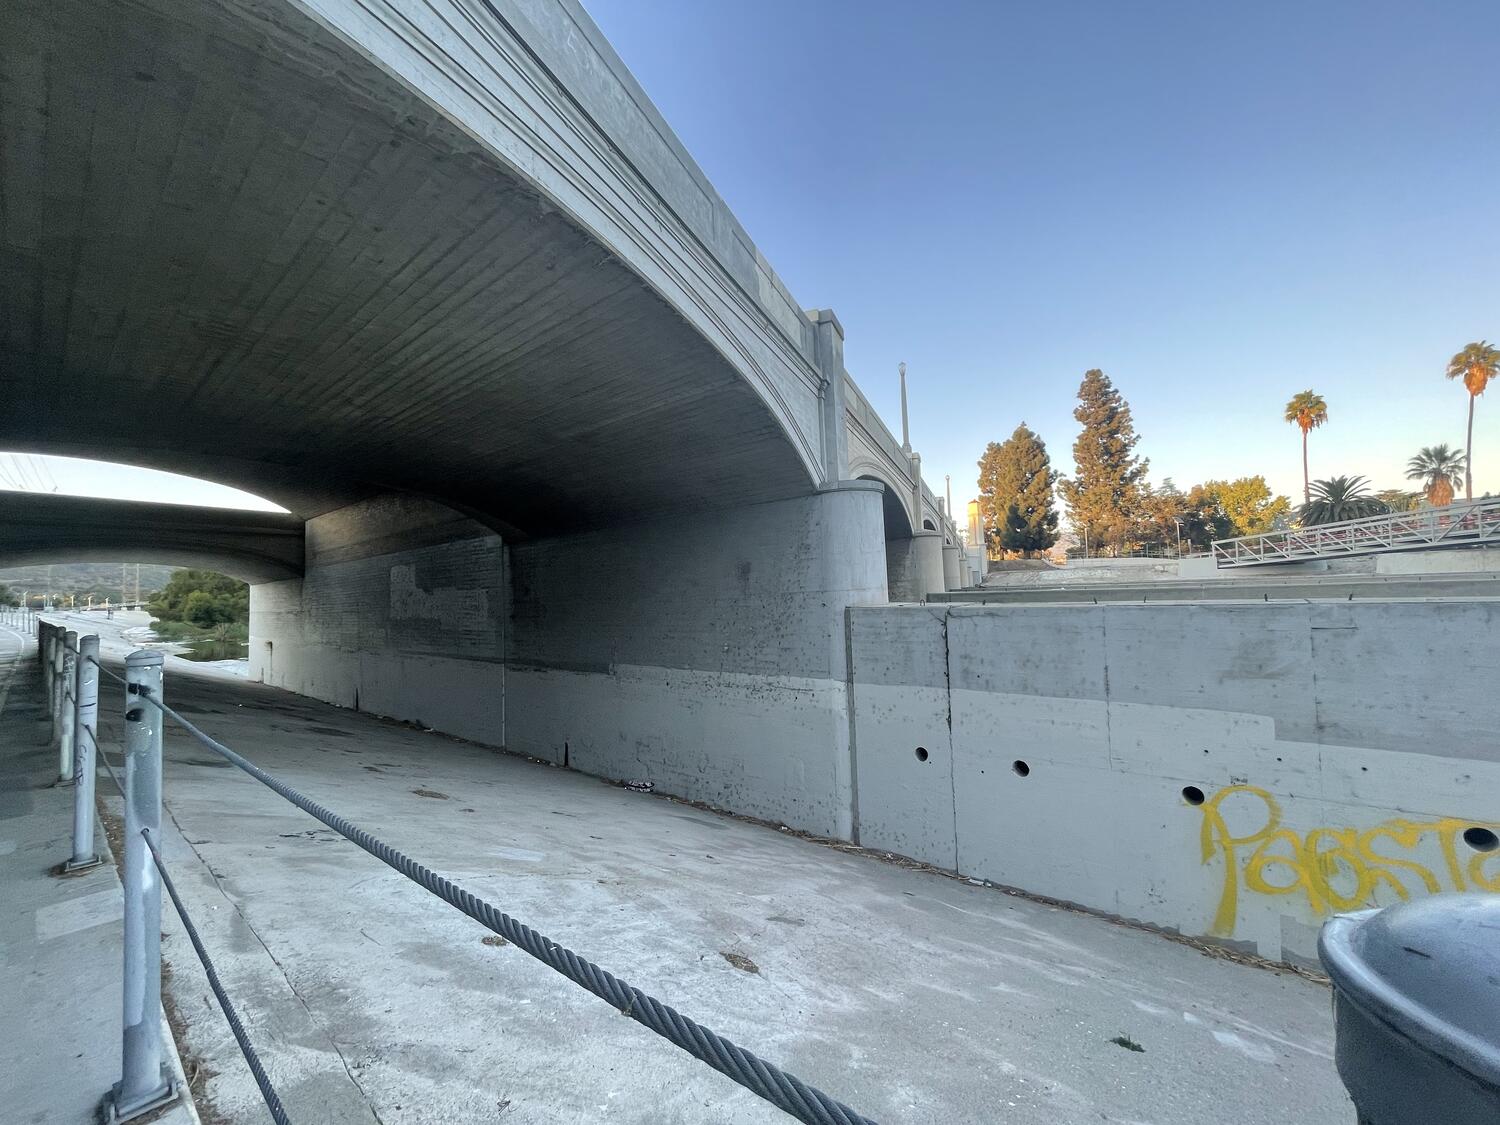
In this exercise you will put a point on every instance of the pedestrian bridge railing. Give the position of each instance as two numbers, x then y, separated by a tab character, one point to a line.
1475	524
71	669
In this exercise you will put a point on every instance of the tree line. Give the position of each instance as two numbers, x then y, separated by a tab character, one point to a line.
203	598
1113	508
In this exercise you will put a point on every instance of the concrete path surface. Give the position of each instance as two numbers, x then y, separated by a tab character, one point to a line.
60	952
911	996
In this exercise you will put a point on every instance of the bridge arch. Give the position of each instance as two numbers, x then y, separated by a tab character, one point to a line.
48	528
367	289
457	257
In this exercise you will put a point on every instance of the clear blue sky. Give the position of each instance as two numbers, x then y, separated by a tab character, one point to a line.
1220	205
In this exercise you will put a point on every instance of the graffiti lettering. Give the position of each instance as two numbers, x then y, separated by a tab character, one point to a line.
1334	869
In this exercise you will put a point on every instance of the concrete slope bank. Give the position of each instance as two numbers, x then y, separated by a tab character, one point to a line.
1233	771
911	996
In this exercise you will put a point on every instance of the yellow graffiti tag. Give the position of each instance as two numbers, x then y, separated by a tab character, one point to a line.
1335	869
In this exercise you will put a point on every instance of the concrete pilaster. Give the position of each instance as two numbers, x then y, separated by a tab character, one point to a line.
830	357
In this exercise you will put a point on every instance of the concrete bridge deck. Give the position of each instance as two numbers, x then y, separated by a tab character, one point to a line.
913	996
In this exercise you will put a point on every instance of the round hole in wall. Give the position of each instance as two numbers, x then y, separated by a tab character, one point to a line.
1192	794
1481	839
1021	768
921	753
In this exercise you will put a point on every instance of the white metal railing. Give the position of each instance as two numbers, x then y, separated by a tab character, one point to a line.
1474	524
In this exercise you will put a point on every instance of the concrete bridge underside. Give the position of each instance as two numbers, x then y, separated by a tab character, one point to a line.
252	546
572	465
236	247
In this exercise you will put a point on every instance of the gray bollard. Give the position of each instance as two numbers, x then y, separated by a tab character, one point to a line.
55	682
68	706
144	1082
85	742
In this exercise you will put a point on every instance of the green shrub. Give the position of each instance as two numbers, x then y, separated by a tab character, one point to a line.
201	598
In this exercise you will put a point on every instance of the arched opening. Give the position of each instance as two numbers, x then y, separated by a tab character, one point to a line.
113	480
468	342
515	392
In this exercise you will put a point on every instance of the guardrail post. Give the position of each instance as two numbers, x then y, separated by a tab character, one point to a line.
55	681
144	1083
67	706
85	742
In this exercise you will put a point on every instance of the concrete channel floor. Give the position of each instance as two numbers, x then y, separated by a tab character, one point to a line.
60	959
911	996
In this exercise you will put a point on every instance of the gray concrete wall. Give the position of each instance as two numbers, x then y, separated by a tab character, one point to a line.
402	612
1341	750
705	655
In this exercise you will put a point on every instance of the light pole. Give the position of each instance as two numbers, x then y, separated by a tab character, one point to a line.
1178	522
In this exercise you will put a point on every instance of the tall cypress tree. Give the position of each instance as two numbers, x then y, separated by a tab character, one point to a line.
1104	496
1015	493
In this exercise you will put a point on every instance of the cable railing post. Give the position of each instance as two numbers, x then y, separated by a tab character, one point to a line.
85	742
67	706
144	1083
55	681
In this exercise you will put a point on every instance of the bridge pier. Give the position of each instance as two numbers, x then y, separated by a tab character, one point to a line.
928	547
722	679
953	566
727	687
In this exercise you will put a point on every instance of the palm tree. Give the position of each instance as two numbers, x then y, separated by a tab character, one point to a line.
1439	469
1309	411
1476	365
1339	499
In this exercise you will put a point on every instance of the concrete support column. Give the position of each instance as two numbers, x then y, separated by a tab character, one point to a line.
929	558
832	400
953	566
903	574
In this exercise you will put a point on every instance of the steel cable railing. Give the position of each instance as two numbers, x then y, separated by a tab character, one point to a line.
236	1028
785	1091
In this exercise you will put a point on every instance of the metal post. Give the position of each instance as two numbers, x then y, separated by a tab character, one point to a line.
55	653
68	705
144	1083
85	734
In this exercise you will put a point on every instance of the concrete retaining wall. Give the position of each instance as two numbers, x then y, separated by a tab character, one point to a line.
1232	771
706	655
402	612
